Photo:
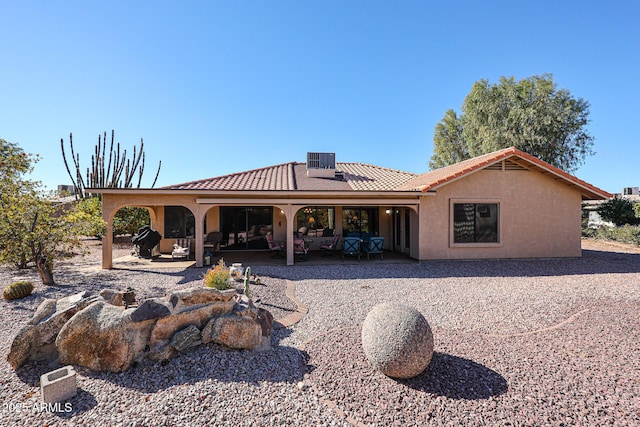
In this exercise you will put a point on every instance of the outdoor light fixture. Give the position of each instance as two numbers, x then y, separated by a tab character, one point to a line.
388	211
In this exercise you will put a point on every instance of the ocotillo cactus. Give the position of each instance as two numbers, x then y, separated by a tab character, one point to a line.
247	280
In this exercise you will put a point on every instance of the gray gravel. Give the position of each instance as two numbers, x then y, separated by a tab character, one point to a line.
537	342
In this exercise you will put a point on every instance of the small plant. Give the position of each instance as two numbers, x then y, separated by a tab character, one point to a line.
218	276
17	290
247	280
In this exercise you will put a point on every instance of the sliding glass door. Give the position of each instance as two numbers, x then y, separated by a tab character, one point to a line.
245	227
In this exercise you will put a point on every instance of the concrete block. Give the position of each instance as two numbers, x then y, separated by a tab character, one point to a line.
58	385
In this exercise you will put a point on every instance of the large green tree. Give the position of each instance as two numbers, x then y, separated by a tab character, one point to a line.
532	115
32	229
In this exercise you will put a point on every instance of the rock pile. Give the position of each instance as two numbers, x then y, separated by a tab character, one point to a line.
99	332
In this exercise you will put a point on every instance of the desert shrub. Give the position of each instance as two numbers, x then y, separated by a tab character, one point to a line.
629	234
218	276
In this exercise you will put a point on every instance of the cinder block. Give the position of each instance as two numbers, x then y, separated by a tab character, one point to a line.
58	385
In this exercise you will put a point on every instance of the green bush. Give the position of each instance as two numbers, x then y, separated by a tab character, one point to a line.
619	211
629	234
218	276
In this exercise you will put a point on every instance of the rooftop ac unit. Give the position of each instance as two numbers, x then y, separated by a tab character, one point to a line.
321	165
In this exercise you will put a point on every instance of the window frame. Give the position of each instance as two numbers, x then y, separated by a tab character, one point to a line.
454	244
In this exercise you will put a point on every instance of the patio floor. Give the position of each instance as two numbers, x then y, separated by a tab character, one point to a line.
258	258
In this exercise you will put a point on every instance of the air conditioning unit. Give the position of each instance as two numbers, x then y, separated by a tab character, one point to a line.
321	165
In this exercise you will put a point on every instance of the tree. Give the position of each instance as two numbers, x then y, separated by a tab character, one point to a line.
531	115
31	229
618	210
449	146
129	219
118	173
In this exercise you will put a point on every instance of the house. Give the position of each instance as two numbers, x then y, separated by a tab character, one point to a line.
506	204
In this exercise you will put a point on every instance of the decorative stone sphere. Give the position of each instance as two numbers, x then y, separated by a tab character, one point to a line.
397	340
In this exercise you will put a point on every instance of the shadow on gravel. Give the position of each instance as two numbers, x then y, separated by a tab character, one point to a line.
211	362
458	378
592	262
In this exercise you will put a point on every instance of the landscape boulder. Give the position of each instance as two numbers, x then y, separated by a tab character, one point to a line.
397	340
99	331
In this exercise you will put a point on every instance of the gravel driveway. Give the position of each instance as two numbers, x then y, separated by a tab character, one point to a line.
532	342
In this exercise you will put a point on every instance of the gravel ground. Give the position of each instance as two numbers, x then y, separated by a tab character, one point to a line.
532	342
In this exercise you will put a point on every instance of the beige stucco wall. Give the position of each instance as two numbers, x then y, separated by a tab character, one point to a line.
539	216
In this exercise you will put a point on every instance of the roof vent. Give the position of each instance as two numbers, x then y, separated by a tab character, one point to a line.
321	165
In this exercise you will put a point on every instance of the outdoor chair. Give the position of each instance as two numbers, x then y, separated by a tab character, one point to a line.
300	249
374	246
351	246
181	249
278	248
330	246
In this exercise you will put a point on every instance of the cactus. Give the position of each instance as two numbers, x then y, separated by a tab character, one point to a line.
247	280
17	290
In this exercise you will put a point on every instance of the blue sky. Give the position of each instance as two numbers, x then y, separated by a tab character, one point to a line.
221	87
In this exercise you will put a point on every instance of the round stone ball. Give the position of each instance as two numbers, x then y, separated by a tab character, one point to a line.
397	340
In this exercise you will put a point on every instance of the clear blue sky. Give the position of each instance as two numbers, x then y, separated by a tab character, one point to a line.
220	87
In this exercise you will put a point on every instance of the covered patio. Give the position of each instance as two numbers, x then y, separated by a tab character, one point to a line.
257	259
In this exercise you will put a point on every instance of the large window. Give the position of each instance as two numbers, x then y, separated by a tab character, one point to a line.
245	227
316	221
360	222
178	222
475	223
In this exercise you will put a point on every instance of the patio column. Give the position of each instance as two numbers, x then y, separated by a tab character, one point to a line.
290	214
199	214
107	246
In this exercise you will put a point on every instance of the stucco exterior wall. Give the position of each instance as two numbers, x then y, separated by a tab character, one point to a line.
538	217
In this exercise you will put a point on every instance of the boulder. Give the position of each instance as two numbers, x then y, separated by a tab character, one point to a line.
153	308
36	340
397	340
165	327
197	296
186	338
99	333
234	332
102	337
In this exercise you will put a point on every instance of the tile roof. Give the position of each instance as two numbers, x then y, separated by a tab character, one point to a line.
439	177
292	176
279	177
363	177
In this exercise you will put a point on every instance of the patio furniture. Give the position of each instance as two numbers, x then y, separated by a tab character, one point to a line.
330	246
278	248
374	246
212	241
300	249
351	246
181	249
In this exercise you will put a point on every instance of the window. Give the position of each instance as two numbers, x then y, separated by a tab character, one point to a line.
360	222
475	223
178	222
316	221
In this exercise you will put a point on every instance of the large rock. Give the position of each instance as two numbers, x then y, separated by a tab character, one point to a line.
100	333
397	340
102	337
165	327
234	332
36	340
